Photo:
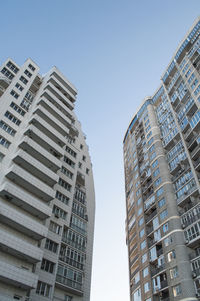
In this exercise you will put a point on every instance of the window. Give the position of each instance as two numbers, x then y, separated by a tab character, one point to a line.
163	214
165	227
79	164
157	182
28	73
152	156
195	82
146	123
137	278
47	266
7	73
177	290
59	212
1	157
147	129
141	221
87	171
14	94
68	298
17	109
156	172
4	142
152	148
12	118
84	158
149	134
7	128
23	80
19	87
150	141
81	146
51	245
78	224
168	241
154	164
139	211
43	289
145	272
159	192
66	172
161	203
70	151
143	245
69	162
61	197
31	67
53	227
139	201
173	272
141	233
144	258
171	255
138	192
64	184
146	287
137	295
12	67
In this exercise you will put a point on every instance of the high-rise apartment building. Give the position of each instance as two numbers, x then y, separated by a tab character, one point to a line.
46	189
162	174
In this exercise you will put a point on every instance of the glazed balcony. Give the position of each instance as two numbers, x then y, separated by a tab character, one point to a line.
69	285
22	223
25	200
31	183
17	276
52	115
47	158
189	190
10	244
163	286
36	168
44	140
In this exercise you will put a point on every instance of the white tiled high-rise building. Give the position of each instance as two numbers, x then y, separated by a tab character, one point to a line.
47	201
162	182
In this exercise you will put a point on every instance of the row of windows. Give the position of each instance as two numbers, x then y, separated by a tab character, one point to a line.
53	227
12	67
61	197
75	240
66	172
69	162
17	109
4	142
12	118
7	128
14	94
70	151
64	184
7	73
59	212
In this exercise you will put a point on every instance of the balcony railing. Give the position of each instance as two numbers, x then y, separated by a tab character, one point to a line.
68	282
157	270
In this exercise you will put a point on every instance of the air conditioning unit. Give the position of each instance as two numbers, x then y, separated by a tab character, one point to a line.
194	274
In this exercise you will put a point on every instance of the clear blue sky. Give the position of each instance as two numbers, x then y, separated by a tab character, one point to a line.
114	52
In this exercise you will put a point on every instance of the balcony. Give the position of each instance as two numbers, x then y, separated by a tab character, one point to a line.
24	200
10	298
48	130
17	276
69	285
49	159
36	168
197	164
189	190
163	286
191	219
158	270
21	222
52	115
10	244
44	141
151	216
31	183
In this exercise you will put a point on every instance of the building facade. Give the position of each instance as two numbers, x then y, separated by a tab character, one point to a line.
47	201
162	174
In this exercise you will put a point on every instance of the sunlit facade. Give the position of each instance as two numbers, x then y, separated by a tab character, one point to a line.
47	201
162	172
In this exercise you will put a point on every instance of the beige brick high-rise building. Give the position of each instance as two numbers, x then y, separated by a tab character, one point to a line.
47	201
162	174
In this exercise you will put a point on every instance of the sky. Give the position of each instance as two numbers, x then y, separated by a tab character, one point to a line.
114	52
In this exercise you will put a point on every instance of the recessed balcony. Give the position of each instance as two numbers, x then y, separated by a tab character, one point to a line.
31	183
36	168
17	276
52	115
19	248
44	140
48	130
49	159
10	298
25	200
21	222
